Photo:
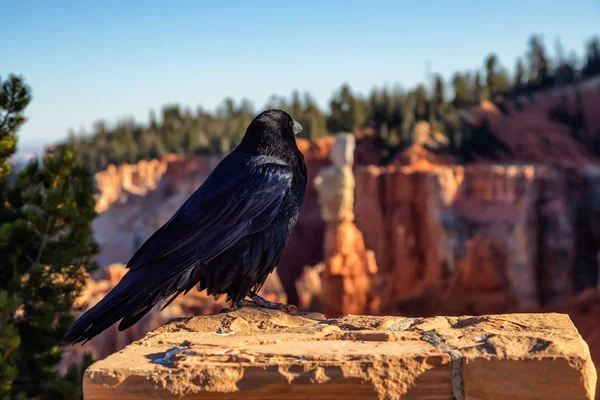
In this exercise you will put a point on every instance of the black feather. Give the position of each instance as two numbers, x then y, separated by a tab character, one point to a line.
228	236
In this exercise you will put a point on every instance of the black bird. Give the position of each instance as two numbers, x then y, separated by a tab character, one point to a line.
227	237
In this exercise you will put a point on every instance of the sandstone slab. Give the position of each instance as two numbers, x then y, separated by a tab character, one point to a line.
263	354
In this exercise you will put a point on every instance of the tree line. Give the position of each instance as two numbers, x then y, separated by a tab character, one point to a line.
392	112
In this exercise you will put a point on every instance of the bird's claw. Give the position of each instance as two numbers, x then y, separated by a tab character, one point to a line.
264	303
260	302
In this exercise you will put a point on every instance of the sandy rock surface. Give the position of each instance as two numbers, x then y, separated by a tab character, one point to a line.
263	354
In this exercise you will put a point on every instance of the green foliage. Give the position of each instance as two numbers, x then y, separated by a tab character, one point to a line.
519	79
460	84
592	65
305	111
478	90
14	97
46	251
539	69
347	111
496	79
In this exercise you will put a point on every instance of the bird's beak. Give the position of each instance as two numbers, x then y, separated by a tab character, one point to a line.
297	127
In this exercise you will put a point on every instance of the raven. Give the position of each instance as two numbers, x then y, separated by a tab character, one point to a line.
227	237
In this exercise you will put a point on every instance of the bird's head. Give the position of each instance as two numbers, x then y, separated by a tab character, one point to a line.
271	128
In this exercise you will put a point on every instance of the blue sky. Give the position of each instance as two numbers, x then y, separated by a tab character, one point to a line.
88	60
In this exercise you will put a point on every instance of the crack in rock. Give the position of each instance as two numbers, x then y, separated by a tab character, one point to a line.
458	387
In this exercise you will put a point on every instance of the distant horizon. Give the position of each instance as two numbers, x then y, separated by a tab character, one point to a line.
87	63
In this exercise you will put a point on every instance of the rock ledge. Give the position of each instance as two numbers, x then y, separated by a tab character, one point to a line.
262	354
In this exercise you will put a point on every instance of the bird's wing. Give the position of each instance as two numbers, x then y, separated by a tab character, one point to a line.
240	197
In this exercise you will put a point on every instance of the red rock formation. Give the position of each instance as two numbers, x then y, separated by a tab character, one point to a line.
349	272
490	228
348	268
417	154
541	127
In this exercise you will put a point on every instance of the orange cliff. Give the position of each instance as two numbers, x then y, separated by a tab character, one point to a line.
498	235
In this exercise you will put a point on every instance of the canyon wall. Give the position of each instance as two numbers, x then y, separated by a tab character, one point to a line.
501	236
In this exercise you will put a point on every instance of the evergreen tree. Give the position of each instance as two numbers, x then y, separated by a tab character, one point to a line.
347	112
421	103
519	79
496	80
490	78
14	97
592	65
312	119
460	84
539	69
437	106
296	108
46	251
564	72
438	91
478	88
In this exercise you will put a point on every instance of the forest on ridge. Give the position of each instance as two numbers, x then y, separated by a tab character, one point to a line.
391	112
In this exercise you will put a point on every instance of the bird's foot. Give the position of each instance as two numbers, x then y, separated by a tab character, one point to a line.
246	303
260	302
264	303
239	304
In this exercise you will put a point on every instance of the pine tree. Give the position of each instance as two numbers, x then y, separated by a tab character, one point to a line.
478	88
496	79
438	91
14	97
437	106
519	79
461	90
539	70
592	65
564	72
421	106
347	112
46	251
490	77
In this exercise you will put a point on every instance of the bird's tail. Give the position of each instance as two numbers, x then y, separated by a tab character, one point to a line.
132	298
